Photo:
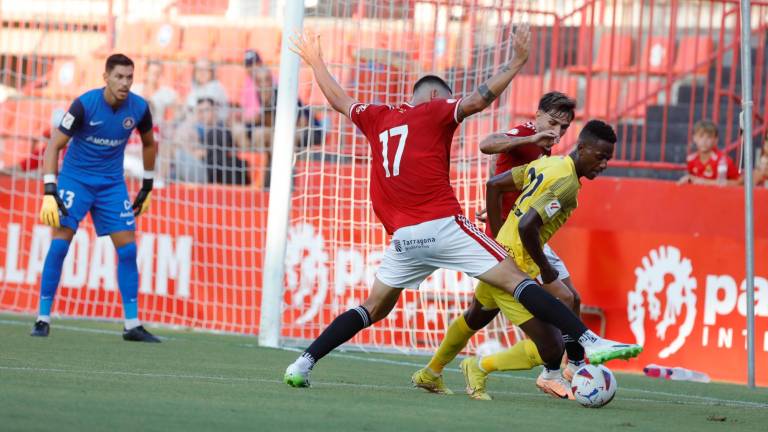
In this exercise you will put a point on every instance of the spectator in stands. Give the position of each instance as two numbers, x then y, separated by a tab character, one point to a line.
259	100
161	98
761	168
709	165
186	155
205	85
206	152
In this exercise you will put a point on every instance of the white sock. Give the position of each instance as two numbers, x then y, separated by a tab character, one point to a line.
589	338
44	318
304	362
550	373
132	323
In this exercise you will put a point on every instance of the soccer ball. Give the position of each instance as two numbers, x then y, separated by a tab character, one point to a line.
593	386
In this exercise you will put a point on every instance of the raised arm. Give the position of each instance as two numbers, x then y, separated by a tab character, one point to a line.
307	46
502	142
488	91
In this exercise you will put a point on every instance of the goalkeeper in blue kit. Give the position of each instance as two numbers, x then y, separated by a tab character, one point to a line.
97	126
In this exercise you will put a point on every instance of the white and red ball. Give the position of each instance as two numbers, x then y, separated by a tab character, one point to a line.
594	386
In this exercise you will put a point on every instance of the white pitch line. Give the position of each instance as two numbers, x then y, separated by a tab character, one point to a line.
316	384
708	400
77	329
705	400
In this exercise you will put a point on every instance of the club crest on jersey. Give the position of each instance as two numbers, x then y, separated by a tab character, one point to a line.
129	122
552	208
514	131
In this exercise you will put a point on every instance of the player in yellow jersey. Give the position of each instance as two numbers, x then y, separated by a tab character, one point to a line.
549	188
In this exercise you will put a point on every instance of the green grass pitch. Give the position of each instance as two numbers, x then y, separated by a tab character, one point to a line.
85	378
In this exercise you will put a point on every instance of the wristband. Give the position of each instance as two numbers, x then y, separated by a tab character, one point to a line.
49	178
149	174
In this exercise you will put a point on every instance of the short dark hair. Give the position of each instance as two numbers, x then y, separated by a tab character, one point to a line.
203	100
117	60
705	126
432	79
557	102
597	130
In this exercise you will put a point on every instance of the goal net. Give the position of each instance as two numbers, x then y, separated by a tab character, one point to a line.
201	245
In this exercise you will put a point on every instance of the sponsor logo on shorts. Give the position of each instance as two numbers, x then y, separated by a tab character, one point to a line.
130	222
129	123
422	243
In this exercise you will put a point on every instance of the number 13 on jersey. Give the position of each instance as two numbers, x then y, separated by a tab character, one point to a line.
402	132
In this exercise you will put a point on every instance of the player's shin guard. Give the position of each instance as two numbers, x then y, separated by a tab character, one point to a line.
546	307
51	276
342	329
456	338
128	282
522	356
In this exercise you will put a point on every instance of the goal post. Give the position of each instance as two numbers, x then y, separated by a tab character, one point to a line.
281	174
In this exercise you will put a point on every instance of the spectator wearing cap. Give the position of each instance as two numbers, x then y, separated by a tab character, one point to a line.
256	101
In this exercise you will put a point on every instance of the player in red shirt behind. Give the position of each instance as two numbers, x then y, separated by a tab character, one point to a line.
412	196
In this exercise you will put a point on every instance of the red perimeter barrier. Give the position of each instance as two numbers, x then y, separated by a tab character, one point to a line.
665	263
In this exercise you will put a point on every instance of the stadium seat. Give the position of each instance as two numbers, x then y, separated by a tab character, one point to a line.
524	94
657	55
266	40
231	44
643	93
621	59
257	162
130	38
198	41
693	50
163	40
202	7
63	81
232	77
565	83
28	117
601	99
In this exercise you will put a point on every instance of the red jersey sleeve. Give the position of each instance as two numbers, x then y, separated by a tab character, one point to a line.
365	116
733	172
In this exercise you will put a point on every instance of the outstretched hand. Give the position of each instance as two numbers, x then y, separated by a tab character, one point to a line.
521	43
307	46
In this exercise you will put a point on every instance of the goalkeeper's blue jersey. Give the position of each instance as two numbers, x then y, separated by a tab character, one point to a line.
99	133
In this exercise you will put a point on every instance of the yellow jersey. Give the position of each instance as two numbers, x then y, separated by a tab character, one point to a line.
550	186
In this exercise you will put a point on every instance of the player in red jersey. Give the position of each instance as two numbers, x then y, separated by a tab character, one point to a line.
412	196
519	146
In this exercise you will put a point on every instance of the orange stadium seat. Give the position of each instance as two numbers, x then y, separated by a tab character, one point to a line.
524	94
130	38
198	41
257	162
564	83
163	40
266	40
622	54
657	55
693	50
637	93
63	81
232	77
601	99
231	44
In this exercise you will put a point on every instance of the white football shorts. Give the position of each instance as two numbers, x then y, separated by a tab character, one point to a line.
556	263
452	243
